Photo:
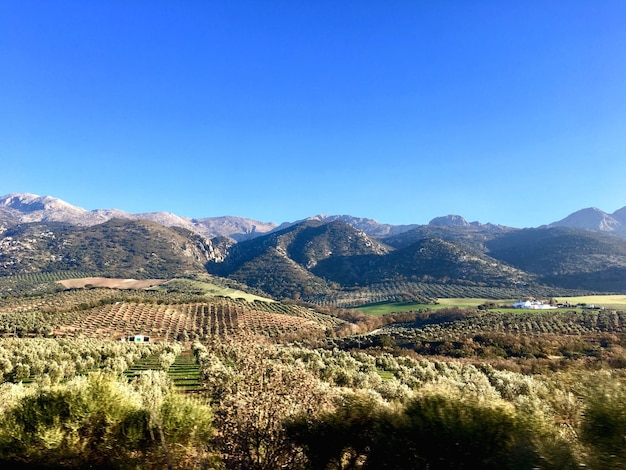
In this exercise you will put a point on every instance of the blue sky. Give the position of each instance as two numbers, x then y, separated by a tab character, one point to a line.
401	111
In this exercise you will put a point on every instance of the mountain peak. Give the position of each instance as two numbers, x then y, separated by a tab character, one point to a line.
27	203
591	218
450	221
28	207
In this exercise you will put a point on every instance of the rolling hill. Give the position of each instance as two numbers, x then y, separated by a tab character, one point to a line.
315	256
116	248
282	262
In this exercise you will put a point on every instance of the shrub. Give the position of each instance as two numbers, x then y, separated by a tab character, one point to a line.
102	422
603	428
432	432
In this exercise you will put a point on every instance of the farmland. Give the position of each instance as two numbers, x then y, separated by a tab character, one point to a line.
110	313
222	368
381	308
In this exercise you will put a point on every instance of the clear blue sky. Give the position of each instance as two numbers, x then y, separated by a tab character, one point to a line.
511	112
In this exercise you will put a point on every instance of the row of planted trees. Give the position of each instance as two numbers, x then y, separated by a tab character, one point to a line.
65	404
290	407
101	421
49	361
266	406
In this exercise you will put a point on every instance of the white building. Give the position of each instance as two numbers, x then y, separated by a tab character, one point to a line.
533	305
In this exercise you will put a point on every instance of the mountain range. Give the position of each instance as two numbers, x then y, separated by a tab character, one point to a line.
24	207
313	257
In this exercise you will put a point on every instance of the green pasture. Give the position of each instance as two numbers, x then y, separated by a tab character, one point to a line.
382	308
209	289
617	302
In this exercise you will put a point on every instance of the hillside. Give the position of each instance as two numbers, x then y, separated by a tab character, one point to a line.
428	260
311	257
281	262
470	234
566	257
117	248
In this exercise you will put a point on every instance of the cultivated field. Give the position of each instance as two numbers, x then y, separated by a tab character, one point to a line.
231	382
382	308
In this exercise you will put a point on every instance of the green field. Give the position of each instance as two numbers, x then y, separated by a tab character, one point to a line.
617	302
382	308
209	289
607	301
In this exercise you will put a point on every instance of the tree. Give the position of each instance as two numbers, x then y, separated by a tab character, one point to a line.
101	421
433	432
603	429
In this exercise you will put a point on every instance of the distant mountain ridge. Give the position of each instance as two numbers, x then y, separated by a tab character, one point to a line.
25	207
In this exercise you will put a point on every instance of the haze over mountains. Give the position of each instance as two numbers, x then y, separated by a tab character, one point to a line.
318	256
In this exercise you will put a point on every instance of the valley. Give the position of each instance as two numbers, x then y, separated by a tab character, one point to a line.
309	345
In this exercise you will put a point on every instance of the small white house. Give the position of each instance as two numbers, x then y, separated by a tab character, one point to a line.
138	339
533	305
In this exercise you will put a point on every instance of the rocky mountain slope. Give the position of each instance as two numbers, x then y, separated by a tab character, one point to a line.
565	256
319	255
283	262
116	248
24	207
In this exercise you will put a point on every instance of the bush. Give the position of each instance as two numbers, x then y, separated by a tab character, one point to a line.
92	419
433	432
102	422
603	428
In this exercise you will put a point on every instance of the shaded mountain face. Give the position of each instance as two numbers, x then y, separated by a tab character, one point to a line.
472	235
320	255
428	260
117	248
565	257
289	256
438	260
